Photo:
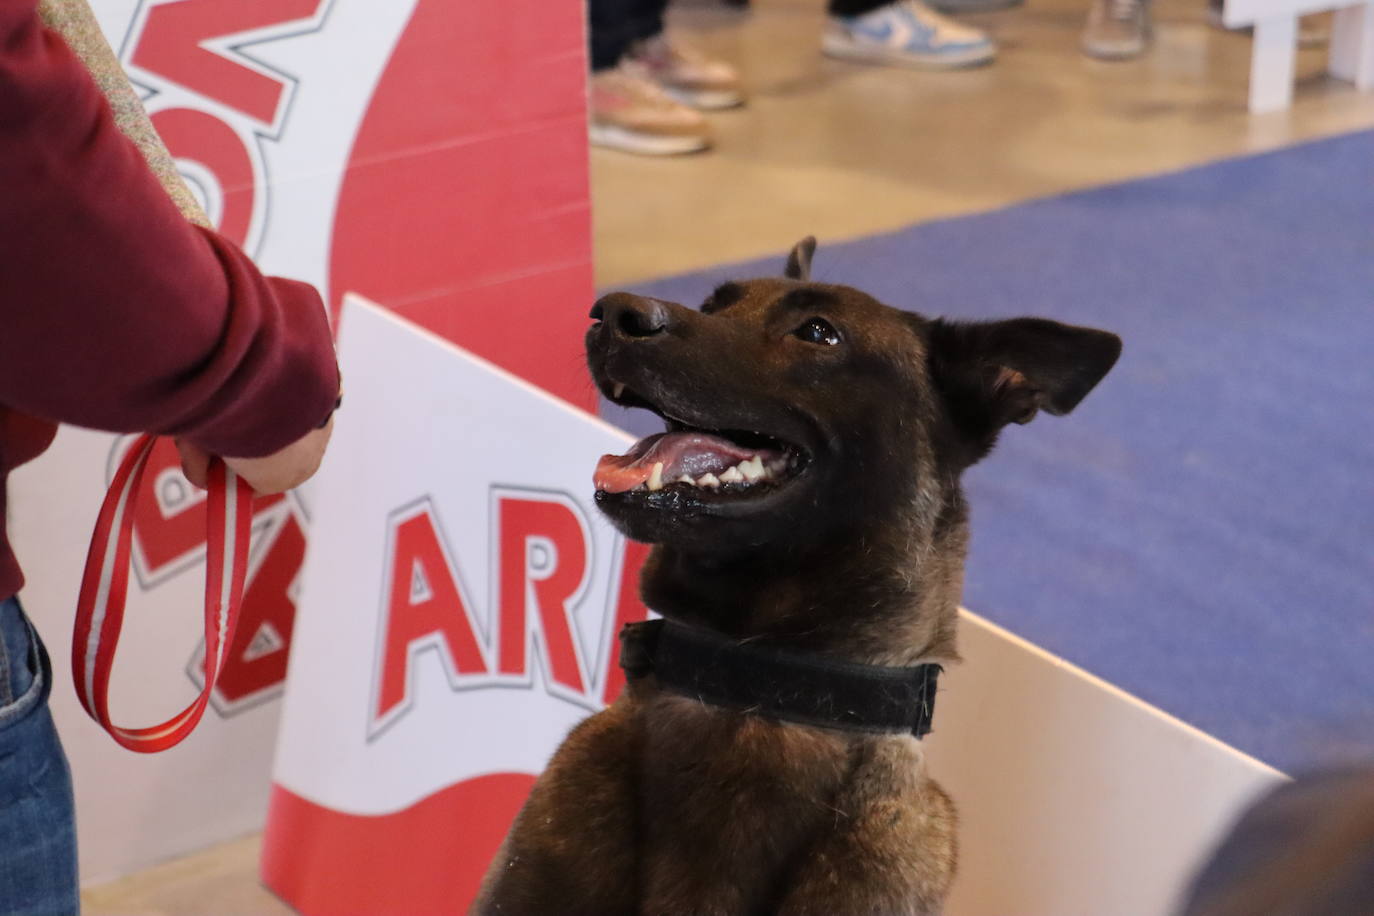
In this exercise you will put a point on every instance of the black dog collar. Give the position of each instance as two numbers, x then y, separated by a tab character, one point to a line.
783	685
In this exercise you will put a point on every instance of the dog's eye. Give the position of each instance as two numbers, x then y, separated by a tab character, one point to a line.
818	331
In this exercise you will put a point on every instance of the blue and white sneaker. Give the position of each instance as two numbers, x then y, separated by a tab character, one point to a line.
907	34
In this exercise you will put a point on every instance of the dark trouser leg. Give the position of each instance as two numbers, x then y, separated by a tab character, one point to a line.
855	7
614	25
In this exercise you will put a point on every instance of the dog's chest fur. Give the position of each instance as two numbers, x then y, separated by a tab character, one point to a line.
730	803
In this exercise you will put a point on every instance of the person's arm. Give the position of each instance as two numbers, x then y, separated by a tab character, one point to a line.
116	313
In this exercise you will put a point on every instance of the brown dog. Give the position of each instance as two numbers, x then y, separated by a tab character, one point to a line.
810	535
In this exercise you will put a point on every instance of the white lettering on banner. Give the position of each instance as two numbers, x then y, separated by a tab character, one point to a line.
541	552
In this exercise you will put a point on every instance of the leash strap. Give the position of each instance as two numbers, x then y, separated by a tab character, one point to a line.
104	589
792	686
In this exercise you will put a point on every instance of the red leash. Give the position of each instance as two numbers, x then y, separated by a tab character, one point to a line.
104	588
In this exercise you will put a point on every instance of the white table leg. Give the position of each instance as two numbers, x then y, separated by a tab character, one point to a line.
1352	45
1271	63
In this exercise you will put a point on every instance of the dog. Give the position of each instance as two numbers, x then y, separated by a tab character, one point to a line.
806	514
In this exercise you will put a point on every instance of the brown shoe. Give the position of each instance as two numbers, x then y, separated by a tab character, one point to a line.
630	112
687	75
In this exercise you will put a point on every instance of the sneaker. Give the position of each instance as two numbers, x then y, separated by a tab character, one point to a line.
687	75
907	34
629	112
1117	29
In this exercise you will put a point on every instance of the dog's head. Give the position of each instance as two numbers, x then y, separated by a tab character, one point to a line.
798	412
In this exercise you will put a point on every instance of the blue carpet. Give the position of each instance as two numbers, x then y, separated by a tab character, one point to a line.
1200	531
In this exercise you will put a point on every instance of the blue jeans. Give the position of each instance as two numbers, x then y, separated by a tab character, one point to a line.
37	815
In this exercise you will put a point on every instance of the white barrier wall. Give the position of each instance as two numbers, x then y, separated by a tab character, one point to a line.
460	605
1075	798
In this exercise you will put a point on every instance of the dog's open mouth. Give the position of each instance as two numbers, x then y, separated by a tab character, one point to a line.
721	462
693	458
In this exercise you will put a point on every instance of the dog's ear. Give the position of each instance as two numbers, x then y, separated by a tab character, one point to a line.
799	261
999	372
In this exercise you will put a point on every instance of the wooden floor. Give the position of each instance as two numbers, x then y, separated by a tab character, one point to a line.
841	150
222	881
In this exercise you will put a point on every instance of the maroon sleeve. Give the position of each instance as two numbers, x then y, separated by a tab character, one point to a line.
115	312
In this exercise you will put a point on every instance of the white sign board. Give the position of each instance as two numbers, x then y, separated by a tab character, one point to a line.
1074	797
461	601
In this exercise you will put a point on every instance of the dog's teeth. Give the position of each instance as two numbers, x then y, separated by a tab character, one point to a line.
775	468
732	476
618	390
752	469
656	476
708	480
685	479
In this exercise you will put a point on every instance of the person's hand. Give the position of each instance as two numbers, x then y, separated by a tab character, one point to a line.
275	473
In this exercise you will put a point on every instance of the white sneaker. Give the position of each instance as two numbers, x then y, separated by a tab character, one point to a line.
907	34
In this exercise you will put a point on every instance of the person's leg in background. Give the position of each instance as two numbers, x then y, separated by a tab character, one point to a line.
613	26
687	75
38	875
1117	29
644	86
905	33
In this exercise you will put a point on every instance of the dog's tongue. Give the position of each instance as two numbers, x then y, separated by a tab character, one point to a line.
683	453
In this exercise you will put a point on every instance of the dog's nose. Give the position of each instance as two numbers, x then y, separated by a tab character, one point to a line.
631	316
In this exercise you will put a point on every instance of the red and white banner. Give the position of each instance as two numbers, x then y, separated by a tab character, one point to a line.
427	153
459	615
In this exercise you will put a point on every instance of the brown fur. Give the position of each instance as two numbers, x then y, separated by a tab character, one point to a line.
663	805
660	805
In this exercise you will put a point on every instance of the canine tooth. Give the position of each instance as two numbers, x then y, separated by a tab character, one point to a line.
708	480
618	390
733	475
752	469
656	476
